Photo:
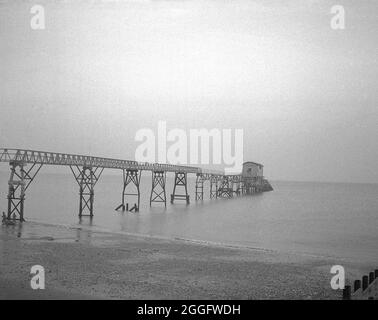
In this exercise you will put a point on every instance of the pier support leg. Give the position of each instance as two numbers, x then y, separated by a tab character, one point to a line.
242	187
248	187
233	186
180	181
225	188
199	186
213	187
230	188
19	181
236	185
158	187
130	176
86	177
259	184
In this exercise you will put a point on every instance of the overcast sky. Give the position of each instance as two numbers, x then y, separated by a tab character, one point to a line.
305	94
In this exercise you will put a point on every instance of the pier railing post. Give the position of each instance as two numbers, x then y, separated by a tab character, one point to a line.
130	176
158	187
180	181
86	177
18	183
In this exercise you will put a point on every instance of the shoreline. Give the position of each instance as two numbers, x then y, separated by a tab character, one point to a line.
93	264
195	241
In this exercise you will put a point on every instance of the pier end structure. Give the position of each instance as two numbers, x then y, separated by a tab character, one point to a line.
253	180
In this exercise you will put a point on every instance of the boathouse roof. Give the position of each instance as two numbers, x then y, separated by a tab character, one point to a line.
251	162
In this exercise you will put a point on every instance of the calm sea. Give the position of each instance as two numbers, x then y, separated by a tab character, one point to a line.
327	219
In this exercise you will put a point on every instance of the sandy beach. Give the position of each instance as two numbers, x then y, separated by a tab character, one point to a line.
85	264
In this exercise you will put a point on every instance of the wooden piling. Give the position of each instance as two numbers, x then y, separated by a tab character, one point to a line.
365	282
357	285
347	293
371	277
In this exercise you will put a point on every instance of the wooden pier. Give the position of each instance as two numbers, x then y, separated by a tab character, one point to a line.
87	170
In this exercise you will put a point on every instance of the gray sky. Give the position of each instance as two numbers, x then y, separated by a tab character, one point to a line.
305	94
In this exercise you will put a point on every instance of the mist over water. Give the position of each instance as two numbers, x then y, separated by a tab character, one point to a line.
330	219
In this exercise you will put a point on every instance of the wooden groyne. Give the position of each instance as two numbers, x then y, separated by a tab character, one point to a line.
364	289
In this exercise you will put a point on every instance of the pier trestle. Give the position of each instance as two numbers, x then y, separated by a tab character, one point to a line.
248	186
236	185
214	186
199	186
242	187
180	181
130	177
86	177
225	188
158	187
18	183
200	179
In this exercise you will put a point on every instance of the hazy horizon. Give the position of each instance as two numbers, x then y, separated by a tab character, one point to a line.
304	94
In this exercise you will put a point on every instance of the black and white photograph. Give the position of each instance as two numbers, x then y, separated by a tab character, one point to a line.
203	153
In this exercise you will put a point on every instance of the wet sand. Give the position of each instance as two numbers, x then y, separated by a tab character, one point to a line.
85	264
